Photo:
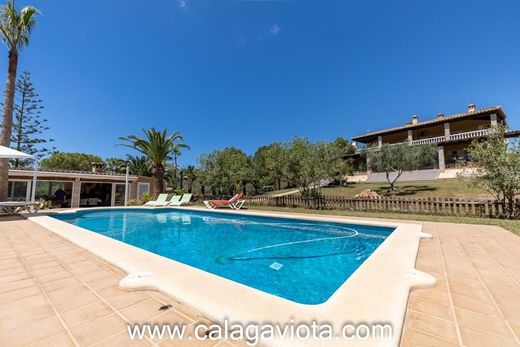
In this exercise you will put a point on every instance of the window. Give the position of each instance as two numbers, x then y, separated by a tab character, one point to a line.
119	198
95	194
142	188
18	191
58	192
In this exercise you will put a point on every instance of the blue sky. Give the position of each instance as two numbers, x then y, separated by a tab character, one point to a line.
247	73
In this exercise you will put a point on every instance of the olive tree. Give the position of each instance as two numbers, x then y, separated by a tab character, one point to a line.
341	167
269	163
226	171
310	165
393	160
498	169
298	163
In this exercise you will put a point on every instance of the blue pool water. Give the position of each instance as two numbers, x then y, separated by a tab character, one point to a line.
302	261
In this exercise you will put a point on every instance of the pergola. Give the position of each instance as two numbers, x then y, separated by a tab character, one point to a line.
9	153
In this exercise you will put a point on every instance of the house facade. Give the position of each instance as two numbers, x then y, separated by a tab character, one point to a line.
452	134
77	189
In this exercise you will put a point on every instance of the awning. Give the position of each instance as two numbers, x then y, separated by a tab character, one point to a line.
7	153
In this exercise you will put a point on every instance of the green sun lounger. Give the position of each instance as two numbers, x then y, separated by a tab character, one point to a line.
161	201
185	200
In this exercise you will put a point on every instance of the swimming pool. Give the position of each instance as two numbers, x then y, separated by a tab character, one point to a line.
299	260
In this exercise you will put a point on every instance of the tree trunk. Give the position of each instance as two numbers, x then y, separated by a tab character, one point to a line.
398	174
389	181
509	205
158	177
7	120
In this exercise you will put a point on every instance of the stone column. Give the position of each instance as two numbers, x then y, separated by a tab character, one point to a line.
380	141
410	137
76	192
447	131
493	118
442	163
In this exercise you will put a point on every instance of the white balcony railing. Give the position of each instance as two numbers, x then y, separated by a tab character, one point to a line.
429	140
470	134
460	136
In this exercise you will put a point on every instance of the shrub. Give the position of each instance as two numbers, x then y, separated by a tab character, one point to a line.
135	202
45	204
498	170
145	198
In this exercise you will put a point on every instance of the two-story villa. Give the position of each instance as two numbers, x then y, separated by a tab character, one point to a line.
452	133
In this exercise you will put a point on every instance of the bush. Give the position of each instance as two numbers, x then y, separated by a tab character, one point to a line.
45	204
135	202
145	198
498	170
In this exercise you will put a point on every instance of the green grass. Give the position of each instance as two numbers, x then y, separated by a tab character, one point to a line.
281	191
452	188
513	226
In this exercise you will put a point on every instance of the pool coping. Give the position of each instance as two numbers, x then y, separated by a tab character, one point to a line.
377	292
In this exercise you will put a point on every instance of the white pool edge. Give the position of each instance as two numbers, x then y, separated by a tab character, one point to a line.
377	292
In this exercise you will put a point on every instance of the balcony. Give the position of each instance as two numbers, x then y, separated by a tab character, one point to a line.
470	134
453	137
431	140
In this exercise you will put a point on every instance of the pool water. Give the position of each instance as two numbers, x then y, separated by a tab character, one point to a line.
299	260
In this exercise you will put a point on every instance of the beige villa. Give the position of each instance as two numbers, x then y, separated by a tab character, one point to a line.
451	133
79	189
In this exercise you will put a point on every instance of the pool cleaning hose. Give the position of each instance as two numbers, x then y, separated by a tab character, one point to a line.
313	248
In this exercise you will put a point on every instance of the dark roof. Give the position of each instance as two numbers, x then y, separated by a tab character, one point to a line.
372	135
102	173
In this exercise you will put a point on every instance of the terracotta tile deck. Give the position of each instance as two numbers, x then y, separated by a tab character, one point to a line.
477	299
53	293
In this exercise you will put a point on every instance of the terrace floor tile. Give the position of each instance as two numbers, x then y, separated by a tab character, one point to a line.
54	293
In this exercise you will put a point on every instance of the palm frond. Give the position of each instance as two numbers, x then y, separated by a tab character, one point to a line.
156	145
16	26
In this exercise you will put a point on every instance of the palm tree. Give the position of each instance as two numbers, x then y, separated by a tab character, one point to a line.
138	165
158	147
15	29
115	165
191	174
177	148
171	176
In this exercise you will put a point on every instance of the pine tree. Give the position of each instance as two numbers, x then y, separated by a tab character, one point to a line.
28	125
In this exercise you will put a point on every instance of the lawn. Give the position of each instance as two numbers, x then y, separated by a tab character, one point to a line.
452	188
274	192
511	225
